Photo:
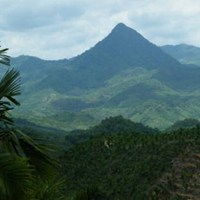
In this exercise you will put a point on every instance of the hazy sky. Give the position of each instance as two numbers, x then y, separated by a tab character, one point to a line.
55	29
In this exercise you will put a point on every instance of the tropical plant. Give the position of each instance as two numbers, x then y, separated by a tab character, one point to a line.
15	177
51	189
22	160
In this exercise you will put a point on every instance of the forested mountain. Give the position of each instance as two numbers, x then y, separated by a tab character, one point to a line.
124	74
122	49
108	126
186	54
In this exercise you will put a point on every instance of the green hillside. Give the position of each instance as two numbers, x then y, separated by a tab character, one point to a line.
108	126
124	74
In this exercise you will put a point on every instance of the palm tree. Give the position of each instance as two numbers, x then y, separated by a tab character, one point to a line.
21	158
11	139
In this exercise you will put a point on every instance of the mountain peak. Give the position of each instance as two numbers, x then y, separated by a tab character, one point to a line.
121	27
126	34
123	48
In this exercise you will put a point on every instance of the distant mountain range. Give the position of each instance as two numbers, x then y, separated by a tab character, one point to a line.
124	74
186	54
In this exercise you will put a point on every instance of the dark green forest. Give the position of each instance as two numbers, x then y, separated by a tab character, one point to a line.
137	165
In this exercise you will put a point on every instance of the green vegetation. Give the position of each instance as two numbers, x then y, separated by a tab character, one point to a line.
43	156
108	126
24	163
46	135
136	165
124	74
187	123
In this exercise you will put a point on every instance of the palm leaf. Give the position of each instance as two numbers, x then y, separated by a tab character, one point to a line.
4	59
51	189
37	154
22	152
10	86
15	177
16	142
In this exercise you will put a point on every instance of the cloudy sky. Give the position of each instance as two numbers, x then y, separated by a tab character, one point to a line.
54	29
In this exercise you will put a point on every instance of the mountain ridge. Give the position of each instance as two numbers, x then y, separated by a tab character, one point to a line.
112	78
123	48
186	54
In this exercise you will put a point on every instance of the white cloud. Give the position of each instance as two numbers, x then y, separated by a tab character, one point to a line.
64	28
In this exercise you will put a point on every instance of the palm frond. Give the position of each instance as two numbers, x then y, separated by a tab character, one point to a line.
37	154
15	177
4	59
51	189
10	143
10	86
16	142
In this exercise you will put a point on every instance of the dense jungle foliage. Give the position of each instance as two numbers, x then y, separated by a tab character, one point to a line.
137	165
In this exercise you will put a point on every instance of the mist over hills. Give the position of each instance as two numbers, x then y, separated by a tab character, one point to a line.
124	74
